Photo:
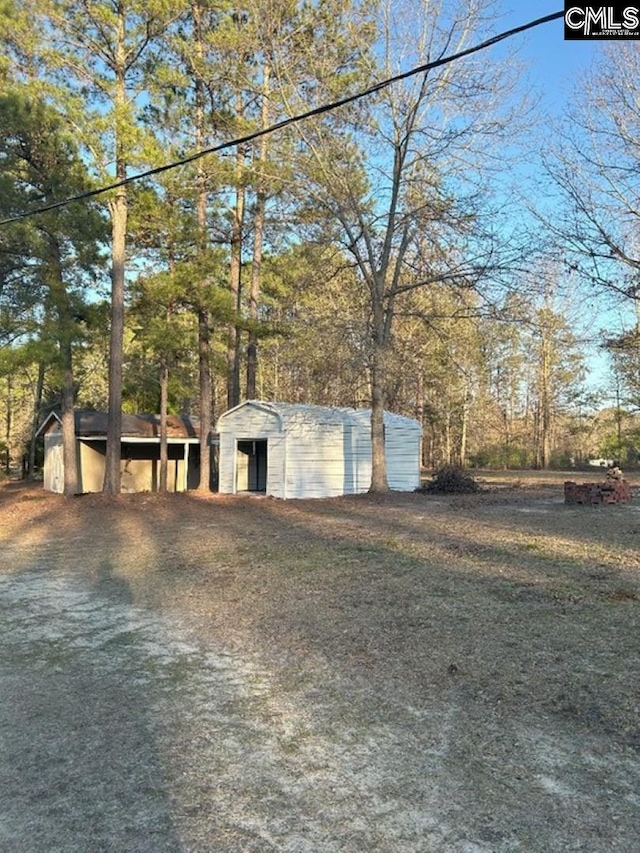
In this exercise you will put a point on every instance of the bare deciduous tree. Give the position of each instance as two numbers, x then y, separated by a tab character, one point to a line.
397	177
597	167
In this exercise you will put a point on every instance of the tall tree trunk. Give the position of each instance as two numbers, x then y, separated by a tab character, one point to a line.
252	346
430	461
235	283
114	424
164	380
545	408
506	439
206	399
164	444
65	333
69	450
618	420
8	425
204	319
118	209
420	414
447	434
37	408
258	238
464	428
379	481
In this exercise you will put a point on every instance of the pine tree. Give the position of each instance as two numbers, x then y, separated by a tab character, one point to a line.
55	253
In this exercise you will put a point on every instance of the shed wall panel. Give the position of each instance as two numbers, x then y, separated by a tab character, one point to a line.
402	447
92	461
250	422
227	465
362	459
276	465
316	460
143	475
53	463
139	467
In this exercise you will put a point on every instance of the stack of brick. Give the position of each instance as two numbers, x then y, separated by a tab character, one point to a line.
609	492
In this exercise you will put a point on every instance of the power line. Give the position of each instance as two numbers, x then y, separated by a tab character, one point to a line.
317	111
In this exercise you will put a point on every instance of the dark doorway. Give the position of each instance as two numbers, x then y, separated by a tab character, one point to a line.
252	465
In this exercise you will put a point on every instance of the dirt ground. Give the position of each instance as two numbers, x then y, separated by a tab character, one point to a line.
409	673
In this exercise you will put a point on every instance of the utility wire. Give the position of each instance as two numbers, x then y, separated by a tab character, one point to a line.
317	111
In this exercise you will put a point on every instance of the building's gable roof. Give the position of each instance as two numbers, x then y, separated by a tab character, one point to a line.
300	414
90	424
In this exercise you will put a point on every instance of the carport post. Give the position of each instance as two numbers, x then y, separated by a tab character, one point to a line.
186	465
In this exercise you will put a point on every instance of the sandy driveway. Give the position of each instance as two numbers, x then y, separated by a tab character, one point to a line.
119	731
152	704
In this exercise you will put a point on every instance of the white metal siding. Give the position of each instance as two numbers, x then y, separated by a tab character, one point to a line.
316	461
318	452
249	421
227	466
362	458
276	466
402	449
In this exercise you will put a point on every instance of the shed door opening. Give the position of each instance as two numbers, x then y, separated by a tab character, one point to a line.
252	466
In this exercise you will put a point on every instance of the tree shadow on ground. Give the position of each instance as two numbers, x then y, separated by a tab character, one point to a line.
404	696
80	766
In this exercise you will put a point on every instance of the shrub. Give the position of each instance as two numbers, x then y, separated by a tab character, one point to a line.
451	480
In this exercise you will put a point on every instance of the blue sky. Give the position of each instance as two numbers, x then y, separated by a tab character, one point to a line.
553	63
554	67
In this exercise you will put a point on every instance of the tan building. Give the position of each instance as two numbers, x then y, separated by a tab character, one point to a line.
140	452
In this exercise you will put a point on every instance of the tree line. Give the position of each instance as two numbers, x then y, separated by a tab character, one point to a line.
371	255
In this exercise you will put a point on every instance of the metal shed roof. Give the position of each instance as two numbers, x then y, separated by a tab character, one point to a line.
302	413
90	424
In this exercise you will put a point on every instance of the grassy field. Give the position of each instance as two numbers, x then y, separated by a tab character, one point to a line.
533	480
404	673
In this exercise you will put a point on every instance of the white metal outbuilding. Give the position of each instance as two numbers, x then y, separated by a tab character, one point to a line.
296	451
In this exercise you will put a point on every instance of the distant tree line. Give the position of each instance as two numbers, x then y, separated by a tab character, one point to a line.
365	257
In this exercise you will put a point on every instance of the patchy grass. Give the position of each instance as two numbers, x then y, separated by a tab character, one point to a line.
408	672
